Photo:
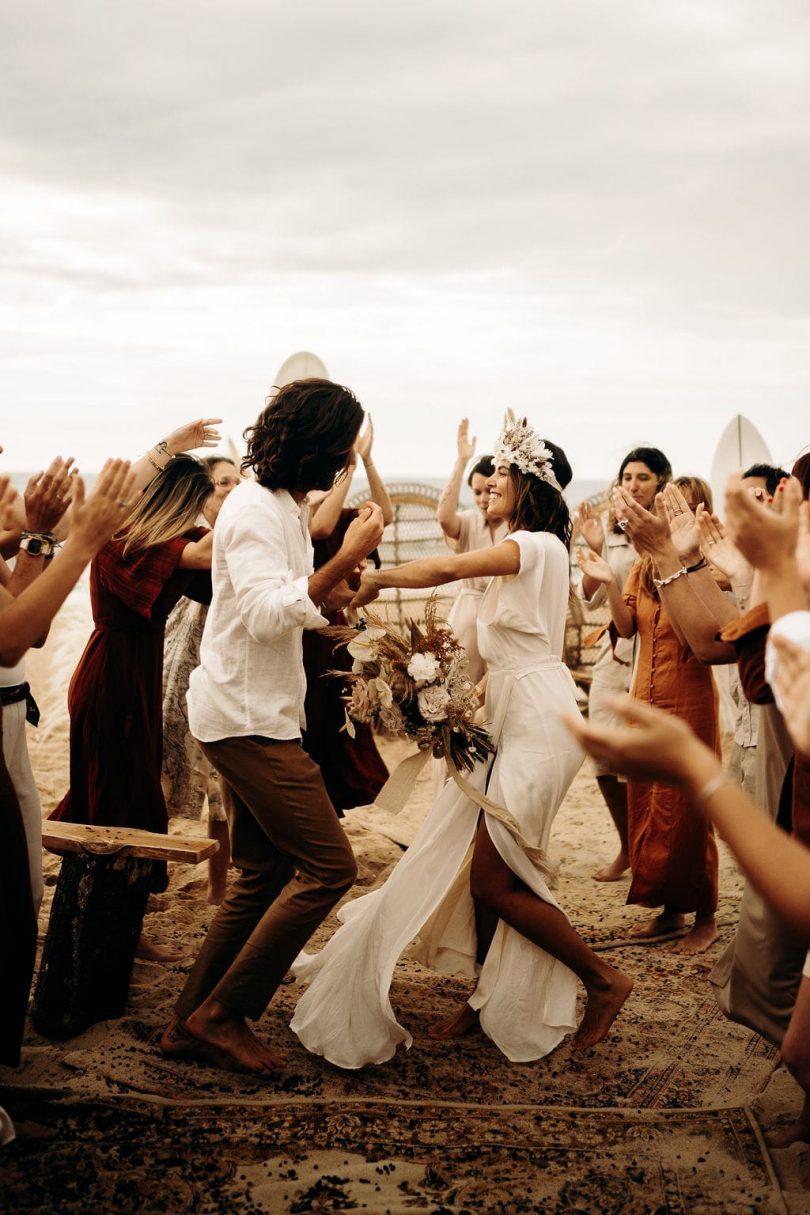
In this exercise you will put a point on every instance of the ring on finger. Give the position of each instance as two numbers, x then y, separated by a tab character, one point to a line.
623	524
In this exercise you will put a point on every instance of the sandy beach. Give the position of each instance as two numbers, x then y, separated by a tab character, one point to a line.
670	1113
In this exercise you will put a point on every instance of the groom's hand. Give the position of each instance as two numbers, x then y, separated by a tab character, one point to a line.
363	533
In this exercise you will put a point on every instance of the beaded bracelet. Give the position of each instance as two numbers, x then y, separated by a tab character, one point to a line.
659	582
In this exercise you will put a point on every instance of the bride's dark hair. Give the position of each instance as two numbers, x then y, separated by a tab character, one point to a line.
539	507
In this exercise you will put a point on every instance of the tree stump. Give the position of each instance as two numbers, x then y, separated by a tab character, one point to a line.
89	950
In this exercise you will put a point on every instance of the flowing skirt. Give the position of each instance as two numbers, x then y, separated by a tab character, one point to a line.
525	997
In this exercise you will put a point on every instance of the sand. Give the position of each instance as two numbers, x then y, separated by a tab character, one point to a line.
668	1114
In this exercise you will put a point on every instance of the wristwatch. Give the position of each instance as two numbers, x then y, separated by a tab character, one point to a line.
38	544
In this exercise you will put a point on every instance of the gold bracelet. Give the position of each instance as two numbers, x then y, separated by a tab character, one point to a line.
154	463
710	788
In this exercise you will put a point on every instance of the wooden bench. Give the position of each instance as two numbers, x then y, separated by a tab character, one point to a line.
96	919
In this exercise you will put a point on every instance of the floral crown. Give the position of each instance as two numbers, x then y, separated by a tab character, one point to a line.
520	445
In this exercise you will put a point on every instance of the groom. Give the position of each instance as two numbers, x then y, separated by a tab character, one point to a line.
246	708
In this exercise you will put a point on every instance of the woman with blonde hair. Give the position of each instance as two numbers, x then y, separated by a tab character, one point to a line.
115	695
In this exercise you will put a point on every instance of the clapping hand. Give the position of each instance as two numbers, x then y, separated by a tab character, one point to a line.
8	496
803	548
718	548
683	527
766	537
465	444
47	495
590	527
594	566
659	745
97	518
365	441
648	532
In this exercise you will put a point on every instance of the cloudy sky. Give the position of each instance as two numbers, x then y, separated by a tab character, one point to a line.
593	212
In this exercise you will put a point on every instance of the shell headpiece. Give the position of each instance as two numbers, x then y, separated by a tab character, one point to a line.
520	445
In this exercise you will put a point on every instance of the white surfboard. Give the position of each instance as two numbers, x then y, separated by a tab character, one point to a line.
300	366
740	445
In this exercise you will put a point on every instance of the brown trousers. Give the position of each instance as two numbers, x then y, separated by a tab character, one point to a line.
294	864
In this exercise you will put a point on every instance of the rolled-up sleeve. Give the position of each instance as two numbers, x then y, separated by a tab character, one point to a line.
270	601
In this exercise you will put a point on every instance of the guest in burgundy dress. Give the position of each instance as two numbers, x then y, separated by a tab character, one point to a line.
352	768
116	694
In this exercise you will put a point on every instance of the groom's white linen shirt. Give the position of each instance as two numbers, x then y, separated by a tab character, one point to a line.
251	674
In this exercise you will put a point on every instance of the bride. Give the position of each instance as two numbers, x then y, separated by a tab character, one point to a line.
473	890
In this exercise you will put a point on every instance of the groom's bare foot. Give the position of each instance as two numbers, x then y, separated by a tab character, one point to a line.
456	1025
221	1039
614	871
604	1005
658	926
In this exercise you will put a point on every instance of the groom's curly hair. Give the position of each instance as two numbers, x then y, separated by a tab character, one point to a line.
304	436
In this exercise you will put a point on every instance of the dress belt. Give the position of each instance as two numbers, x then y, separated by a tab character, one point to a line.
16	692
511	675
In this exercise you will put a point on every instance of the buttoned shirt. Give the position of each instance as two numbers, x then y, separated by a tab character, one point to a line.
251	674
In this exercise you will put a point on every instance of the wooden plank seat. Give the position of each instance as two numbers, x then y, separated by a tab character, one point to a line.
96	918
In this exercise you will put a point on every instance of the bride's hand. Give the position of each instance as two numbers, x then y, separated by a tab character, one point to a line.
369	590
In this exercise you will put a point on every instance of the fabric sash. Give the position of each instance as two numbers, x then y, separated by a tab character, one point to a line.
395	793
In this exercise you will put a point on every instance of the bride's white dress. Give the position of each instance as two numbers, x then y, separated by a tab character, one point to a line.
525	997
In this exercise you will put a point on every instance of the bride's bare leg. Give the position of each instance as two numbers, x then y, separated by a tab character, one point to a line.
465	1018
494	884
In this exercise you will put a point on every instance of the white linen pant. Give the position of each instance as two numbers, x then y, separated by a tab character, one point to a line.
15	754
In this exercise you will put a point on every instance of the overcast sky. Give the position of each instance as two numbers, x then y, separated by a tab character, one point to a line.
591	212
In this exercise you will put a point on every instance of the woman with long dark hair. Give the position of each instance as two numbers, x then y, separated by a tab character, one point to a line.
643	472
475	888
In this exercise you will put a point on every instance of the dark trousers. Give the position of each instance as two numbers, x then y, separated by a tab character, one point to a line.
294	864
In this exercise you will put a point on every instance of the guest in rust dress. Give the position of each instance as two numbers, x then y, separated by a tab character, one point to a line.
115	696
673	854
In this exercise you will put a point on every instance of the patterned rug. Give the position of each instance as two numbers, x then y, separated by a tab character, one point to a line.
304	1157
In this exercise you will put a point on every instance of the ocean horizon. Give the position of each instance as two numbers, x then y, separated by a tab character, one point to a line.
577	491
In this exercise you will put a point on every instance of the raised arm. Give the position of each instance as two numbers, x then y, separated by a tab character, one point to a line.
447	513
200	433
376	486
324	516
25	619
695	605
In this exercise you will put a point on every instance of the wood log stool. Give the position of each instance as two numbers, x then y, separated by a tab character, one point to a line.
96	919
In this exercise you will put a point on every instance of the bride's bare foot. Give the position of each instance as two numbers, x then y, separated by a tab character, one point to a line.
658	926
614	871
454	1026
604	1005
704	933
150	951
